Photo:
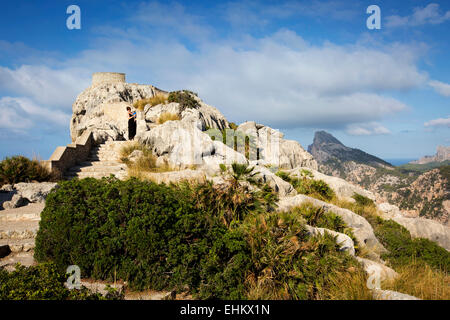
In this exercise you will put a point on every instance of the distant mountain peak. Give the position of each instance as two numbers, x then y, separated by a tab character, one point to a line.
327	149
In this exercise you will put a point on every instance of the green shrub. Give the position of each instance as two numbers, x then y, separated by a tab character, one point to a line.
362	201
289	264
305	184
21	169
402	247
185	98
317	217
43	282
153	236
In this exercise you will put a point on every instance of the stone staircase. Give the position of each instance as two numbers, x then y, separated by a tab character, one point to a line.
102	162
18	229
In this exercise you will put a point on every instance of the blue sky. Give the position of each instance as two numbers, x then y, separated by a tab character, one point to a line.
298	66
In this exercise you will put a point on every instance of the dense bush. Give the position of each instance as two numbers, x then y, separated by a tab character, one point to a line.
43	282
185	98
153	236
21	169
305	184
317	217
289	264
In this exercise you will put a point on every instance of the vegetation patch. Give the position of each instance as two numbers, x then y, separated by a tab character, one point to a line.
21	169
44	282
305	184
167	116
185	98
153	101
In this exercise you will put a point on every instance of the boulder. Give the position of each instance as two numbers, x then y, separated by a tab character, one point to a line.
345	242
343	189
16	202
182	144
35	191
361	228
371	267
135	155
273	149
7	188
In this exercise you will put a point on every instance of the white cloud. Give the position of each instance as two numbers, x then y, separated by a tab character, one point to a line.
280	80
366	129
441	122
440	87
431	14
47	86
20	114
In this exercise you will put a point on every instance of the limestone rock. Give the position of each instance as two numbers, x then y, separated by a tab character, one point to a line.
7	188
182	144
102	108
384	272
16	202
279	185
418	227
176	176
345	242
35	191
135	155
361	228
273	149
343	189
391	295
426	228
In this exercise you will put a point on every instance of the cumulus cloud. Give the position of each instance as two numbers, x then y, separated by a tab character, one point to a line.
45	85
20	114
431	14
440	87
441	122
366	129
280	80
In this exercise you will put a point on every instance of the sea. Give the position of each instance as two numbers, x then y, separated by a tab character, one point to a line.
399	162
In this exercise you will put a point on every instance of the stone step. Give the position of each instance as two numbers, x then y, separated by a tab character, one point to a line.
31	212
102	158
98	168
100	163
18	230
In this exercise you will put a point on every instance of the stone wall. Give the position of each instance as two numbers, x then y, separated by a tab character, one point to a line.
64	158
107	77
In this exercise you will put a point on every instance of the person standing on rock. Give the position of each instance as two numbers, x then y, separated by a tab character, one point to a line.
131	124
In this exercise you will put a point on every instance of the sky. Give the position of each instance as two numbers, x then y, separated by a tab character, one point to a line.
297	66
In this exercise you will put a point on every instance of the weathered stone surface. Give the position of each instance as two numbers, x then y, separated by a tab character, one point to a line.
418	227
7	188
343	189
279	185
15	202
345	242
391	295
372	267
273	149
361	228
34	192
102	108
182	144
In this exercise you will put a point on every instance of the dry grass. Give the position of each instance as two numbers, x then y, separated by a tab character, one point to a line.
167	116
351	285
421	281
153	101
145	163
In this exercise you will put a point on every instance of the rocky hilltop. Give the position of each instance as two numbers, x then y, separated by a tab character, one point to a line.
417	190
442	154
333	154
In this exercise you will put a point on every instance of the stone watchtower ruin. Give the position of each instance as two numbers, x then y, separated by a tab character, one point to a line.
107	77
